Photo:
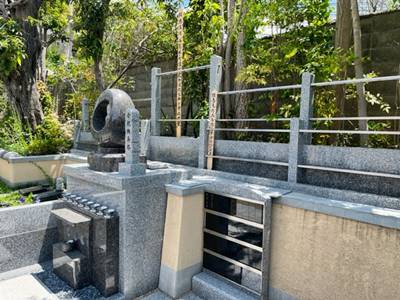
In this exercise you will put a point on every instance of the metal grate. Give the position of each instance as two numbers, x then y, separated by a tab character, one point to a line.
236	240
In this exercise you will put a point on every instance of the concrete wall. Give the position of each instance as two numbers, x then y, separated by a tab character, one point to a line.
141	75
27	234
22	171
317	256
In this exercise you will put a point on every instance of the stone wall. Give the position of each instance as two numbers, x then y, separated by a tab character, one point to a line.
184	151
27	235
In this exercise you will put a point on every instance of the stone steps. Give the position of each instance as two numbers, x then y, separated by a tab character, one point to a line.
208	286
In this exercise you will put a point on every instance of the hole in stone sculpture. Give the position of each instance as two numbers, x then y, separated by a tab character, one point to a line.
100	115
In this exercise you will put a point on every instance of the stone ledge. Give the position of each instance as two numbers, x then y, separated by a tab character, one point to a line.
358	212
12	157
185	188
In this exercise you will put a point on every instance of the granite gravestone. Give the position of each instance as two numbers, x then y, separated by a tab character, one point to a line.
132	165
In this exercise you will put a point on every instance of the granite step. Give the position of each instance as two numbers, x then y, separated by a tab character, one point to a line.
207	285
158	295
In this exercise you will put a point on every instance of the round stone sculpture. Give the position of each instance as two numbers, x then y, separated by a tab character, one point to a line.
108	119
108	129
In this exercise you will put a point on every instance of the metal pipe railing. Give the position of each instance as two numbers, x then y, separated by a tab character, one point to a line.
181	120
254	120
349	171
142	100
169	73
393	118
253	130
355	81
350	132
316	84
259	90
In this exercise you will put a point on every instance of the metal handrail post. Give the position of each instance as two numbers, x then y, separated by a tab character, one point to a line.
155	101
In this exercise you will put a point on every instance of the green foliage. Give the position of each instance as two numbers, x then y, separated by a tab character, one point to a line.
53	15
303	42
203	25
136	34
89	23
12	47
12	134
4	188
51	137
16	199
77	78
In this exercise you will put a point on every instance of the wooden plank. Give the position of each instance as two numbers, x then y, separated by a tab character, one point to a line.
179	76
211	132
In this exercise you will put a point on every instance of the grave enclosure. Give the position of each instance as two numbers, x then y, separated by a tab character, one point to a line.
174	217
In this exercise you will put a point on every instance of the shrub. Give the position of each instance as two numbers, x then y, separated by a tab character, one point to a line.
15	199
51	137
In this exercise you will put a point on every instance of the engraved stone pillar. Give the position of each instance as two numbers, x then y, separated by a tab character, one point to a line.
85	115
132	165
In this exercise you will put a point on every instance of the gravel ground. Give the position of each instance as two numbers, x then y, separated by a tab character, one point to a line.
62	290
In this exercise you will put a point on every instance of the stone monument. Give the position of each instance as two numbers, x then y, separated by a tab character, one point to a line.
132	165
108	128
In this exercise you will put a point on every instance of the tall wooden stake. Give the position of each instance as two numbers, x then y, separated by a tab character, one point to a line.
179	78
211	127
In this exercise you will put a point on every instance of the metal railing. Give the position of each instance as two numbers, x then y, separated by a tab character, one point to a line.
215	68
300	131
142	100
175	72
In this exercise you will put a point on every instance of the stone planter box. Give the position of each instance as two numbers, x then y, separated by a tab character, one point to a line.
19	171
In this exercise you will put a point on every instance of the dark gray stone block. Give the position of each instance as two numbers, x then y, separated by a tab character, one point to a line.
105	162
71	266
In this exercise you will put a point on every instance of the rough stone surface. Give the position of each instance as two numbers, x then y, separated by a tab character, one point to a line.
209	286
182	151
336	194
27	234
185	188
132	136
108	119
32	289
105	162
127	169
27	248
142	218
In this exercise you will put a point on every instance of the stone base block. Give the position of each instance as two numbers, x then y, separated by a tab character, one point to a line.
72	267
175	283
105	162
132	169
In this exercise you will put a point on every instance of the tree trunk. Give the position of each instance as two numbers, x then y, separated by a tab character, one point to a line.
98	72
21	84
43	54
362	105
70	33
241	100
228	54
3	12
343	38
